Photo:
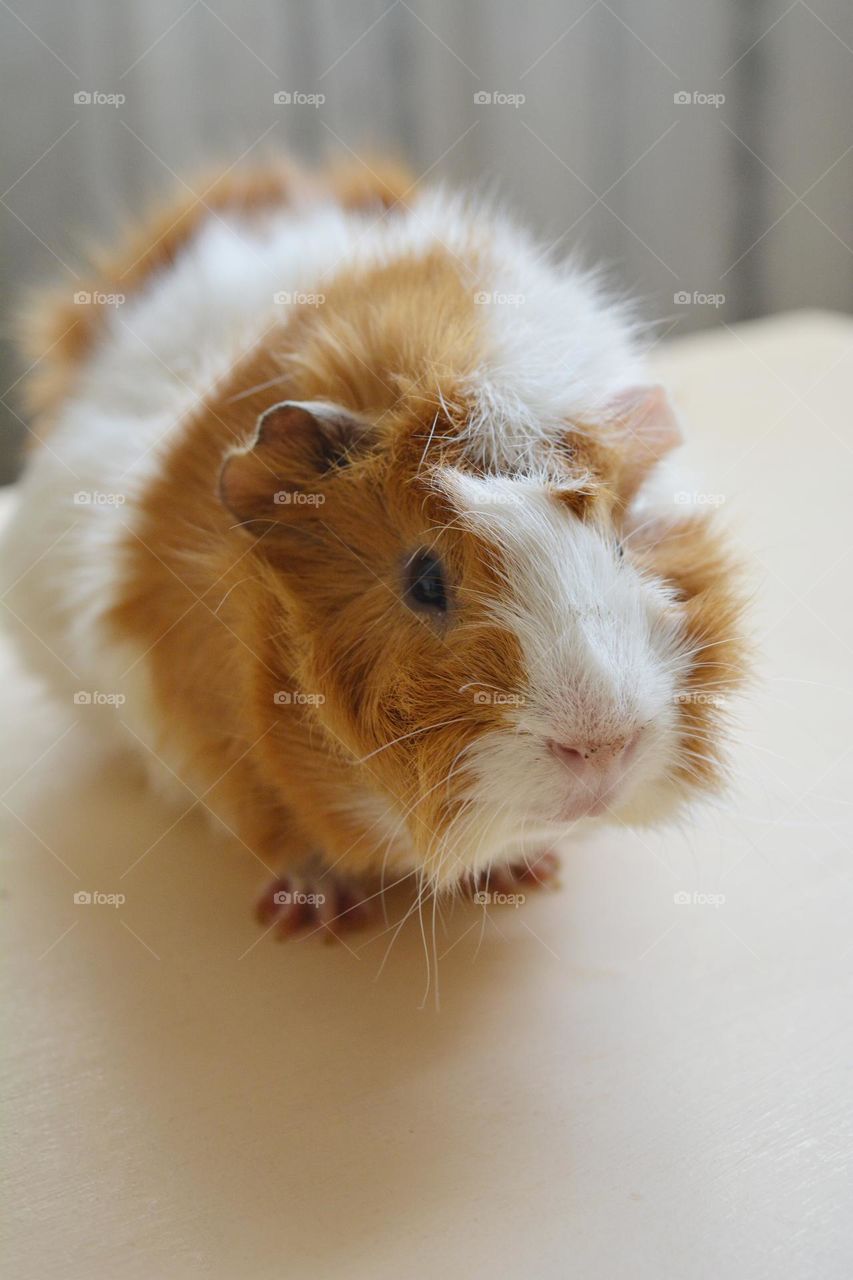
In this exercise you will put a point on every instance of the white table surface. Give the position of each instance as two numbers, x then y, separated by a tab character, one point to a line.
616	1085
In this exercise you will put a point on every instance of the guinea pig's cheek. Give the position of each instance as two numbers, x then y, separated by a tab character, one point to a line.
674	615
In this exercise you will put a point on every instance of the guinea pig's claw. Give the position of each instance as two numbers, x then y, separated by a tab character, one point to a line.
515	877
325	904
543	869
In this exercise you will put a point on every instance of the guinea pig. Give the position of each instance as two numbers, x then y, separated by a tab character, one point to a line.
338	512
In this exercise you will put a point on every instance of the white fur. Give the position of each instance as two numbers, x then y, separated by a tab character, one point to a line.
601	654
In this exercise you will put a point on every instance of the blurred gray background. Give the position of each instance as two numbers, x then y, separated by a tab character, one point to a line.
703	149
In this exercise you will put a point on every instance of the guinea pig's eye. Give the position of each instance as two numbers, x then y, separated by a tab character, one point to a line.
425	582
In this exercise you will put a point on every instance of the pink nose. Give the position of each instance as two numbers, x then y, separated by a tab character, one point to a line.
592	753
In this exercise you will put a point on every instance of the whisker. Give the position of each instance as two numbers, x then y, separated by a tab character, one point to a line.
440	724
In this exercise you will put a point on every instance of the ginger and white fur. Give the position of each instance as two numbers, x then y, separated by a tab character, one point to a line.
494	409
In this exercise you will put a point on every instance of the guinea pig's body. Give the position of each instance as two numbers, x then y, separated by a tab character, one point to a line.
339	520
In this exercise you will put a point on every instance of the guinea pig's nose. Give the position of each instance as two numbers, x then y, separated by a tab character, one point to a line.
596	753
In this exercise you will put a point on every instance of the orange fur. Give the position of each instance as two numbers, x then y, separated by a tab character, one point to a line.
690	553
224	701
56	334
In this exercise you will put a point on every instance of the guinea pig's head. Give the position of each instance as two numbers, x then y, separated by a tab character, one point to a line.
498	651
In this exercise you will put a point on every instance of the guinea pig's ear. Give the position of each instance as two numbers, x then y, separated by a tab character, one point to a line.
294	445
647	430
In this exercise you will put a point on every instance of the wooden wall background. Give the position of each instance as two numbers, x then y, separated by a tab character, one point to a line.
750	198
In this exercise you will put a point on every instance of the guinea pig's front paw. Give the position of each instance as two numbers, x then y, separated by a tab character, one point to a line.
513	878
317	903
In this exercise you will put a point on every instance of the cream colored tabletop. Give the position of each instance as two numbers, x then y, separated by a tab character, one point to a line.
644	1074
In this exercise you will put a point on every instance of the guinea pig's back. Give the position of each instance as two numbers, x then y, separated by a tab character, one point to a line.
119	364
